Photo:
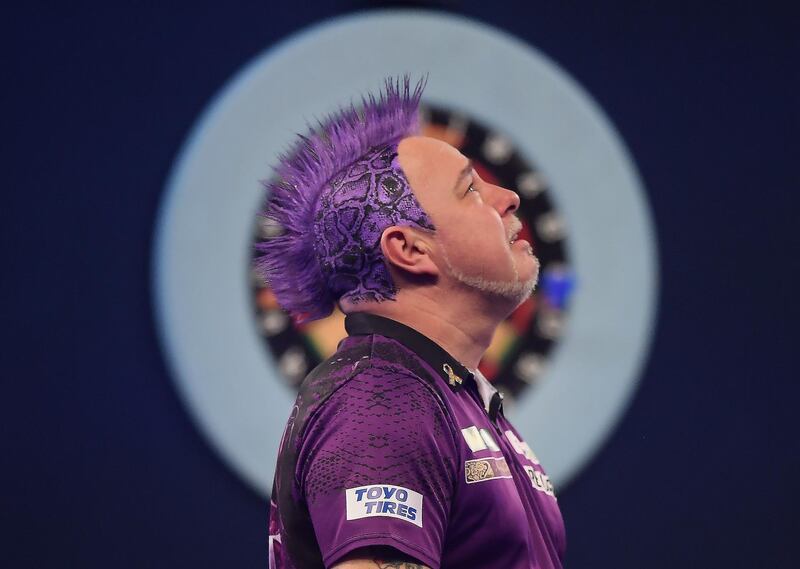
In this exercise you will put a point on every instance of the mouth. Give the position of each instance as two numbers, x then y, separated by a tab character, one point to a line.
514	242
513	231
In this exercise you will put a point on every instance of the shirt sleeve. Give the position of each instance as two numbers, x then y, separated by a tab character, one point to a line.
377	466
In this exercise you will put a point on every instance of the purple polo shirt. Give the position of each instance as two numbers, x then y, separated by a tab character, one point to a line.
392	442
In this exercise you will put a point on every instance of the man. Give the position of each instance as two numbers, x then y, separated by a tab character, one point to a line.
397	452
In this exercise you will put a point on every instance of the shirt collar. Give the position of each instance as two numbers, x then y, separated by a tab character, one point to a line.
492	399
450	369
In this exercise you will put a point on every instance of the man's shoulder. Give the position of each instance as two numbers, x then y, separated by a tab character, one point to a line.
362	357
365	375
352	357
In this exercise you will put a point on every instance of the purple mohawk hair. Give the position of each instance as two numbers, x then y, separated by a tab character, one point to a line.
335	192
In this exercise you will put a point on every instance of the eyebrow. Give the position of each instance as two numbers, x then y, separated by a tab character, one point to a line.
466	171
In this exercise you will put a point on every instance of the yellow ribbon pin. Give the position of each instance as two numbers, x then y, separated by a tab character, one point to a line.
453	379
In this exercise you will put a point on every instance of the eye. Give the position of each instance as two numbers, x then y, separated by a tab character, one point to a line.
471	188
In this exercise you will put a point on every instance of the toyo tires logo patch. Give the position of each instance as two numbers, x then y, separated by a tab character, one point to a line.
384	500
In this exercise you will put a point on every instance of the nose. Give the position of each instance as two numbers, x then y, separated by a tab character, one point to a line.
505	201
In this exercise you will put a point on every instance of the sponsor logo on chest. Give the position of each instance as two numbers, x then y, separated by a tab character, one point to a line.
479	439
492	468
384	500
521	447
489	468
540	481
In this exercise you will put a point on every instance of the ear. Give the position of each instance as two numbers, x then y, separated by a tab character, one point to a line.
408	249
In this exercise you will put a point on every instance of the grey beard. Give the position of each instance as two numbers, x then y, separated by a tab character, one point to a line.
514	290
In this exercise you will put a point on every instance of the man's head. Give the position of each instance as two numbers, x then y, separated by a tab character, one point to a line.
364	204
475	243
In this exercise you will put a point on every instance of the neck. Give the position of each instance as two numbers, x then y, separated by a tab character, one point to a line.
455	319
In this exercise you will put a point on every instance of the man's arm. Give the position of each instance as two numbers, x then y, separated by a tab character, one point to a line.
378	558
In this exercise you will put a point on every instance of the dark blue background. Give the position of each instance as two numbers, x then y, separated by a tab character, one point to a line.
101	466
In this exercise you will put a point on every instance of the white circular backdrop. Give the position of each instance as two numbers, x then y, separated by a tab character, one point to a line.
202	285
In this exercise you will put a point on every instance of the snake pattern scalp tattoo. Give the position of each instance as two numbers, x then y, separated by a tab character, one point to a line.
314	190
353	210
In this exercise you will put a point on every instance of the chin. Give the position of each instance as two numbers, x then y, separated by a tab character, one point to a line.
532	273
523	292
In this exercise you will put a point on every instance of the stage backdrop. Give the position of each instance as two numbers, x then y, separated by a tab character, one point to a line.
147	373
